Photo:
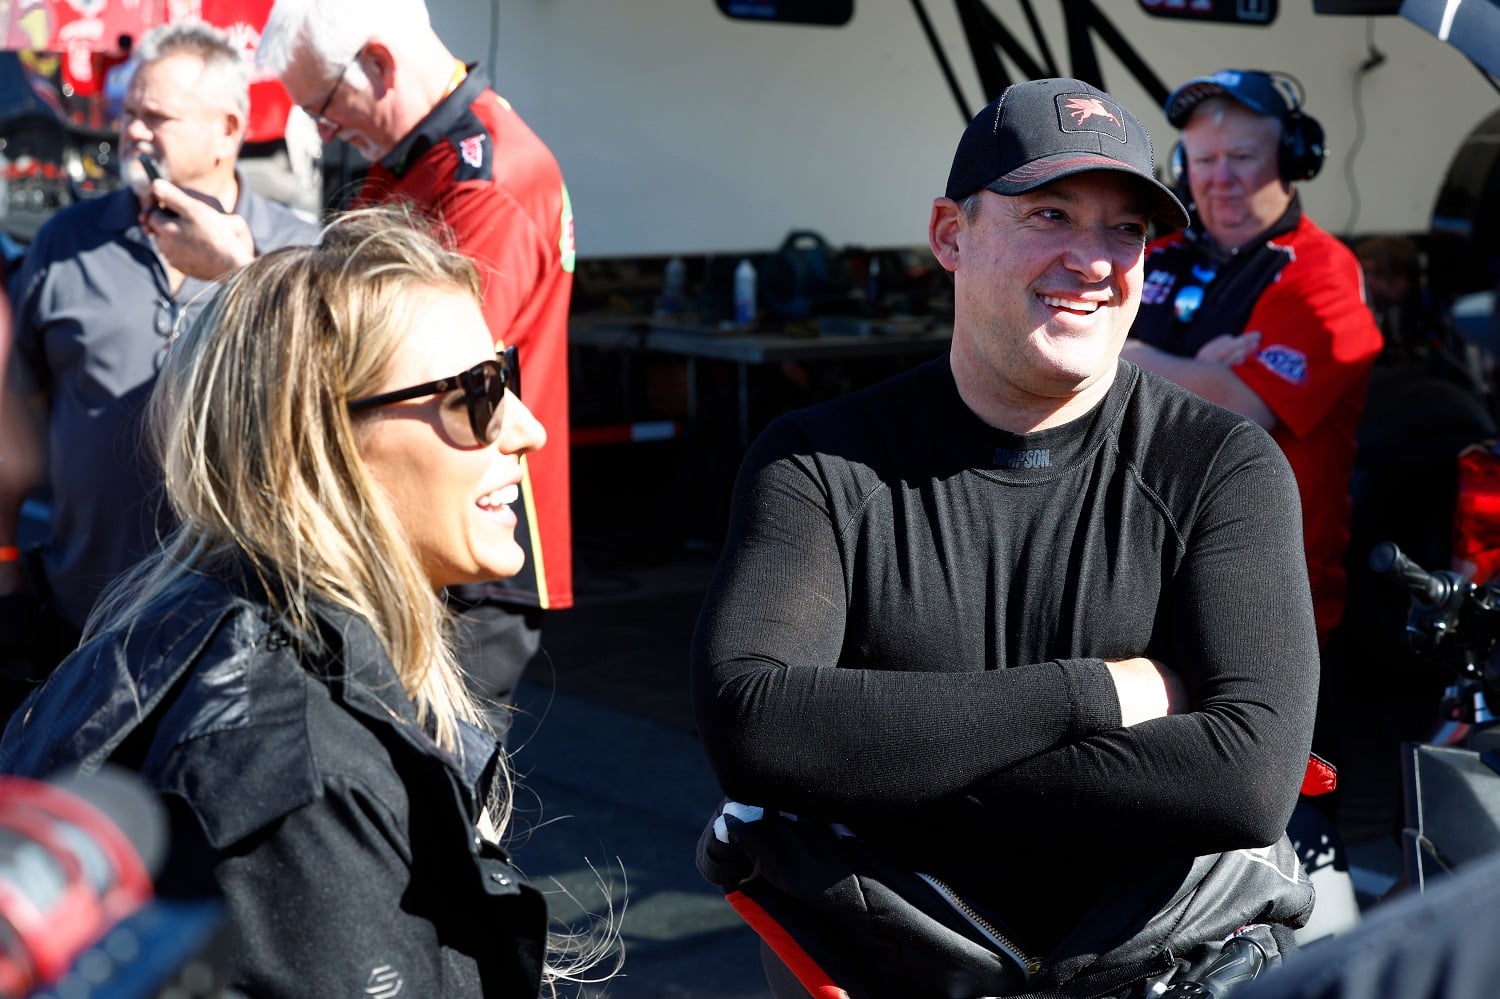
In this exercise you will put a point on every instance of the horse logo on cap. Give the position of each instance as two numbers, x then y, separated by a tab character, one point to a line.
1084	108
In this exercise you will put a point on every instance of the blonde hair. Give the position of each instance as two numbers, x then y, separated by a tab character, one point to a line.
260	456
250	420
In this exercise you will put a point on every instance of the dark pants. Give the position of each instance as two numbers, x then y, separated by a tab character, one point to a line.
496	643
1314	824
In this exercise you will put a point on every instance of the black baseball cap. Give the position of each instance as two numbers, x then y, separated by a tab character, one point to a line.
1255	89
1044	130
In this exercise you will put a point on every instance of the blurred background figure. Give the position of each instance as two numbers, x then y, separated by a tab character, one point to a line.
117	79
97	306
1392	279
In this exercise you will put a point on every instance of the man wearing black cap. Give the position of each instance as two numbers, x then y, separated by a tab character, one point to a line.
987	671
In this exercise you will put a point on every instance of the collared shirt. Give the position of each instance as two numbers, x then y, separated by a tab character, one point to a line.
473	164
1302	290
94	316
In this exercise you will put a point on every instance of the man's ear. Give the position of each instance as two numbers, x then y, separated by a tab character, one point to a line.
379	66
943	226
233	137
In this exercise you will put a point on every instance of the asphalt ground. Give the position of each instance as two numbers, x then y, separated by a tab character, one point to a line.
614	786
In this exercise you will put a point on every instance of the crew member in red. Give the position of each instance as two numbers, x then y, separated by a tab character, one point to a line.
1259	309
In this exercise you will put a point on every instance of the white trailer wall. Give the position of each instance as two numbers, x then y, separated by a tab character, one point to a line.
681	131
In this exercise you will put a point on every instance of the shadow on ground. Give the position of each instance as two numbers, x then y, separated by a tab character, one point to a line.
614	785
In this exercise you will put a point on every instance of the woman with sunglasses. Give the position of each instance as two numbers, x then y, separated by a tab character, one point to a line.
340	440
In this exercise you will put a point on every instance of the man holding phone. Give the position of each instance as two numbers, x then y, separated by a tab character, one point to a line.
97	305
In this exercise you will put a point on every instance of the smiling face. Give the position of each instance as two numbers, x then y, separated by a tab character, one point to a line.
1046	285
1230	152
452	496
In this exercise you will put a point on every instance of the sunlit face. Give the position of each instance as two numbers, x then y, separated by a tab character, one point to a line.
1230	152
343	103
452	496
1046	285
175	114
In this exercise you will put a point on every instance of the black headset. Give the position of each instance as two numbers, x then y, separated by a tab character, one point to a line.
1300	151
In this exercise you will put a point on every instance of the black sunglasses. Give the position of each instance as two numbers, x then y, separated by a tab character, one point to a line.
484	388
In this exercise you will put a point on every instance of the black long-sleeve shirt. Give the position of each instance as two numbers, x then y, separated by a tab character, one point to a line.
908	629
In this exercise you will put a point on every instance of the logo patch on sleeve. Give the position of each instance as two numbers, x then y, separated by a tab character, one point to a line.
472	150
384	983
1284	362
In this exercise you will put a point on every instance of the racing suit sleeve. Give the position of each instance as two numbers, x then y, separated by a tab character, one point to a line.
493	229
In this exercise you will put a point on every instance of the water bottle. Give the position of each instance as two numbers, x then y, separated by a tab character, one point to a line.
674	285
744	293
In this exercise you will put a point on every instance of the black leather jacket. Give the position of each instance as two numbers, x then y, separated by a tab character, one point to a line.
301	789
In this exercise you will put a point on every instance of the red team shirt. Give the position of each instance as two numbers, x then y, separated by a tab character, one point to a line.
474	164
1304	292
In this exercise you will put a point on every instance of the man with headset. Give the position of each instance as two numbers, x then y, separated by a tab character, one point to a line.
1257	308
1260	310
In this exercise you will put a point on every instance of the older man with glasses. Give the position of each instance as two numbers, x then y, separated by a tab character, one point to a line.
98	302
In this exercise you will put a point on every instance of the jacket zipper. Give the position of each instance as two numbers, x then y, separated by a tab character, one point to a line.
1029	965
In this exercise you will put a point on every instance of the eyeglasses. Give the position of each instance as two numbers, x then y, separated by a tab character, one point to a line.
483	386
338	82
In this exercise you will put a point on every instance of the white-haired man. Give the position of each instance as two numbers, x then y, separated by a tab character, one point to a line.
1256	308
98	302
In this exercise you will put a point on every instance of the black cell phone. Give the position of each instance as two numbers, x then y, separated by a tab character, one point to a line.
153	172
149	165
